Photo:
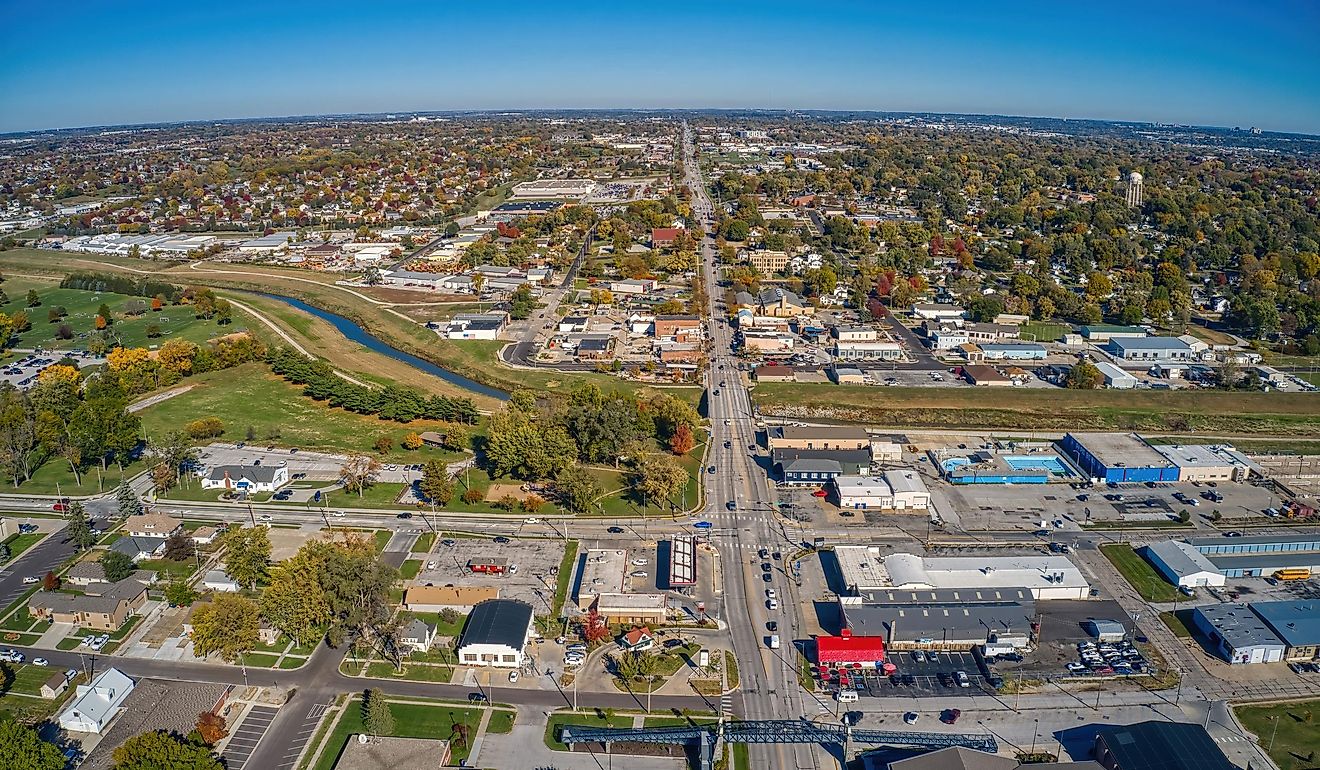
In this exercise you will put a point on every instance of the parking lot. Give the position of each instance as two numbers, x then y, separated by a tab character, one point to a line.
533	566
23	372
245	739
315	466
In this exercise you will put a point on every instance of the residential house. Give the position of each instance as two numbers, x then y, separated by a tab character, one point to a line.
204	535
139	548
151	525
96	704
417	635
638	639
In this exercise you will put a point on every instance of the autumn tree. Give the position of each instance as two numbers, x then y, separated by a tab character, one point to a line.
159	750
227	625
211	727
384	444
247	554
412	442
682	441
358	472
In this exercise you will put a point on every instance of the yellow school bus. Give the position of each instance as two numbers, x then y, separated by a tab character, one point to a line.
1293	573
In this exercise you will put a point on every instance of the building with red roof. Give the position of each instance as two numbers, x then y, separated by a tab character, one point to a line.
846	649
664	236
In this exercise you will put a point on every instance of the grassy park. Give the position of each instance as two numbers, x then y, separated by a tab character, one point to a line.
1138	573
250	396
173	322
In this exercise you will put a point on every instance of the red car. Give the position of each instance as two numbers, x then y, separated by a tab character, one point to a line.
950	716
820	493
59	507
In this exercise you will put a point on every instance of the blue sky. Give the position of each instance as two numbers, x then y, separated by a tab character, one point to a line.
1212	62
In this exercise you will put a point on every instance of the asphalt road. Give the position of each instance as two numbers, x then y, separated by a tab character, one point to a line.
769	687
49	554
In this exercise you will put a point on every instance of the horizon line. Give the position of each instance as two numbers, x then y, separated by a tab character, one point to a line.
535	110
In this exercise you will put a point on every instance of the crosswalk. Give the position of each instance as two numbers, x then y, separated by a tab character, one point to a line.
726	707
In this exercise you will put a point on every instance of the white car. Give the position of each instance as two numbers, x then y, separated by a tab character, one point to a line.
638	573
531	521
430	565
1076	668
639	562
29	580
770	593
573	660
338	514
513	677
40	662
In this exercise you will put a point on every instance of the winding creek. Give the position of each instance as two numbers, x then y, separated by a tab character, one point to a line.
356	333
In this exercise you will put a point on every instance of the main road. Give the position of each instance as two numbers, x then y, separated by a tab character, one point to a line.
740	504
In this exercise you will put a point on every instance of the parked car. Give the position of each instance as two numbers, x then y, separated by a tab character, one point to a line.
40	662
513	677
950	716
911	718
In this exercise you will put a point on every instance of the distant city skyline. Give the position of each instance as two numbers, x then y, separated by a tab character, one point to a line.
1208	63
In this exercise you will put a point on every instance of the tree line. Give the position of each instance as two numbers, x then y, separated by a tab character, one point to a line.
118	283
393	402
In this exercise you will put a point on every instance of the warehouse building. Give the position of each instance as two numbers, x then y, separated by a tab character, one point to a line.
1210	462
1115	377
944	619
1183	565
1117	458
1238	634
1148	350
1260	555
1297	623
1046	577
818	437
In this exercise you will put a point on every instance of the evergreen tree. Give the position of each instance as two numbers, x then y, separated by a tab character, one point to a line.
79	529
129	504
376	714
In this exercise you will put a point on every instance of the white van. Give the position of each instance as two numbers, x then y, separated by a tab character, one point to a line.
773	604
774	641
846	696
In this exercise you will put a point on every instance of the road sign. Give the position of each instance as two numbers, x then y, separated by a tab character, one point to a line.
702	525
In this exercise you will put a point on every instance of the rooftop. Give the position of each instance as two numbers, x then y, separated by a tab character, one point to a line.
1181	558
603	571
1119	450
1296	622
1032	572
1149	343
1239	626
498	622
1163	746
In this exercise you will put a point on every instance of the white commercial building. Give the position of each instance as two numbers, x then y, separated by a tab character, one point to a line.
1209	462
496	634
1114	377
868	351
555	188
893	490
1047	577
96	705
1183	565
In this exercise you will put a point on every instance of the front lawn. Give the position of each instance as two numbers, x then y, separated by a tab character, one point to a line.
411	720
20	543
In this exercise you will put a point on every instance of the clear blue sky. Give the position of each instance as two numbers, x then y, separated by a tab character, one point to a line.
1212	62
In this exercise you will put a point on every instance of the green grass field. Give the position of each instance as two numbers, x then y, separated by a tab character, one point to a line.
1180	622
1042	409
1295	744
175	322
1138	572
250	396
411	720
1043	331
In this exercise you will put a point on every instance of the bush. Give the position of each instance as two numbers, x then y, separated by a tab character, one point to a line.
473	496
206	427
507	503
532	503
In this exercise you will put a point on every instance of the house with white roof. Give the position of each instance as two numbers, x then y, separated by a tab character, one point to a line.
97	704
